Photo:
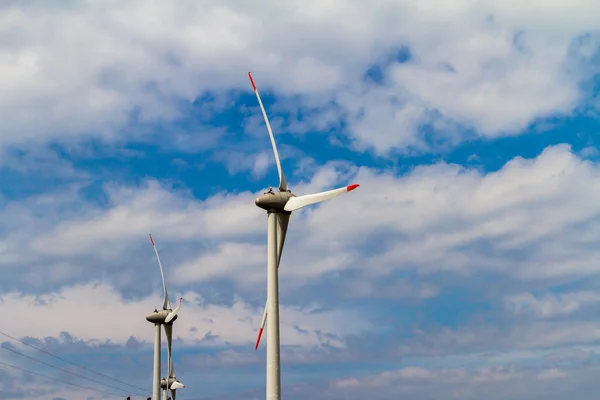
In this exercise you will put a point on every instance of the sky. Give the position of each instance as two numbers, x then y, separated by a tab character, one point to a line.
465	266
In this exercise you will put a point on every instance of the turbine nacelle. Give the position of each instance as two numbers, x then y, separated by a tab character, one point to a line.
274	200
174	384
159	317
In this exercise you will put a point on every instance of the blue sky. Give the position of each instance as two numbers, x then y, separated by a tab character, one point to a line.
465	266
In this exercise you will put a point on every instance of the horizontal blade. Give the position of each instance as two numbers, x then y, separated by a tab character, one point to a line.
296	203
166	303
177	385
282	183
173	313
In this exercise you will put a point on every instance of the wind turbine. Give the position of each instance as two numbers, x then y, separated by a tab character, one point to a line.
164	317
175	384
279	206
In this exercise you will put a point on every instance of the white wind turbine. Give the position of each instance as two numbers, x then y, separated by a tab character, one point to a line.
175	384
279	206
164	317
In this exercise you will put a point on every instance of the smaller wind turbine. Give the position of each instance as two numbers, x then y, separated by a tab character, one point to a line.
173	382
164	317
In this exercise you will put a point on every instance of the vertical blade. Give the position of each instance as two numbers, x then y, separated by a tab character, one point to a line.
282	183
262	326
283	221
166	303
169	334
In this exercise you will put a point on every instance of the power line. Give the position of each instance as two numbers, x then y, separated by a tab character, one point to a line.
61	381
67	371
69	362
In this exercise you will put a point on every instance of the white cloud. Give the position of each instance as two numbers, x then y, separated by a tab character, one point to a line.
436	218
445	217
78	68
550	305
109	317
455	383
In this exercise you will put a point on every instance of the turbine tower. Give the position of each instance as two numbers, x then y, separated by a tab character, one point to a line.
164	317
279	206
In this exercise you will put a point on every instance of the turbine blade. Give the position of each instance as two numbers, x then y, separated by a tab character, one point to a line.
173	313
283	221
166	303
262	326
282	183
172	369
296	203
173	394
169	335
177	385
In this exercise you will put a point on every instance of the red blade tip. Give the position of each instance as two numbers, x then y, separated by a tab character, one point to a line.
151	240
252	81
352	187
258	339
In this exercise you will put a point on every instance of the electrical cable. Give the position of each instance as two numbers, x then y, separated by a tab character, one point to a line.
68	372
70	362
61	381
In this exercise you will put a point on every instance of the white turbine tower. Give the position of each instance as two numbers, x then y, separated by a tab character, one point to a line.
164	317
279	206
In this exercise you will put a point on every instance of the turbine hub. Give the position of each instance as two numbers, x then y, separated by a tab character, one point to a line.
158	317
163	382
273	200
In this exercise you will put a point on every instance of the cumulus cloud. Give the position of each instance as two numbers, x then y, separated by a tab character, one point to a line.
550	305
382	77
533	219
498	382
481	66
48	315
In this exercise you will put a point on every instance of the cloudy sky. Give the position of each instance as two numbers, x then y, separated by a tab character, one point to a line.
466	266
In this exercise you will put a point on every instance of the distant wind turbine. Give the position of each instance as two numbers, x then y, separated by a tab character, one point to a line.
164	317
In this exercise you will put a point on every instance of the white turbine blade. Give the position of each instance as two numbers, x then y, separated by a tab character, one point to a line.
169	335
166	303
283	221
262	326
173	313
177	385
172	369
282	183
296	203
